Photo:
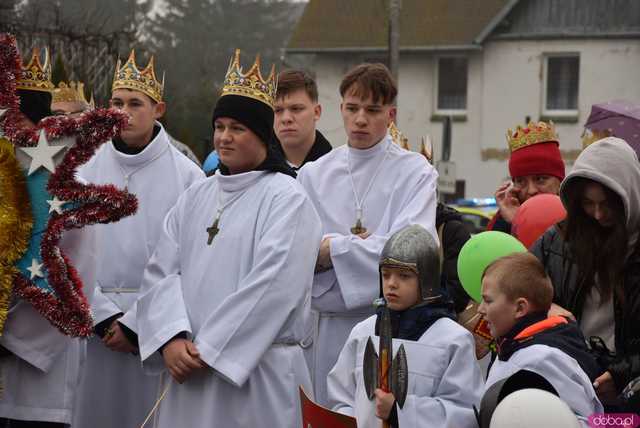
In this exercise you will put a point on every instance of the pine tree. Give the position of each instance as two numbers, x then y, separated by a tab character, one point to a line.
194	40
59	71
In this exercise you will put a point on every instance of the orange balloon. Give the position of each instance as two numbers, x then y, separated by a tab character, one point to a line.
535	216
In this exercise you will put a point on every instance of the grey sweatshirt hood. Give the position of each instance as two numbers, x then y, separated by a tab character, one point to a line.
614	164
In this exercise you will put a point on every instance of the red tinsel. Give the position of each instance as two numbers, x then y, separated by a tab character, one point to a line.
10	70
68	309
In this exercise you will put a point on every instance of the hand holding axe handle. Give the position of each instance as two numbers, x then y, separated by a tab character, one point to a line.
385	372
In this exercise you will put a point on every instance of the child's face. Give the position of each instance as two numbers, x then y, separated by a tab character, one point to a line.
400	288
500	312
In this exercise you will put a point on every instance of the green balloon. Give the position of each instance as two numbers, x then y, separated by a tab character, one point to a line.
478	253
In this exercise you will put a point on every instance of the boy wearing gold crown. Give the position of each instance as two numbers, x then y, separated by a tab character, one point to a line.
114	391
34	89
39	365
535	166
228	287
69	100
364	191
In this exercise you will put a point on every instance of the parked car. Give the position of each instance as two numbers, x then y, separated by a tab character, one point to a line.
476	213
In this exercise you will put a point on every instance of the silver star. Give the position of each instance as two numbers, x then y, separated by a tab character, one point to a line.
55	204
35	269
42	154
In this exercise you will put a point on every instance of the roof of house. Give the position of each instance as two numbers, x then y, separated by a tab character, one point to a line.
431	25
357	25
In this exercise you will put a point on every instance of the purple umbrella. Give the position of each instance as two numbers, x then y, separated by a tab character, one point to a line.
618	118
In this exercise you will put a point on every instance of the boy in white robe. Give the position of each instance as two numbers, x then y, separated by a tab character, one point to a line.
228	287
38	364
516	297
445	381
364	191
114	390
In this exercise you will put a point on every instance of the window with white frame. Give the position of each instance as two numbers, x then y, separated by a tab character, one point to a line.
452	84
562	83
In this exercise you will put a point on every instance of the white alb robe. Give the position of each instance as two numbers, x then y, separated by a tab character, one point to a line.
403	193
243	300
40	379
445	380
114	390
562	371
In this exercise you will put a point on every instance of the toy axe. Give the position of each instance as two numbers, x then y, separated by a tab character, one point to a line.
385	372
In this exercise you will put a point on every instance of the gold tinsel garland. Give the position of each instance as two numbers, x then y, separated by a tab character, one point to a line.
15	222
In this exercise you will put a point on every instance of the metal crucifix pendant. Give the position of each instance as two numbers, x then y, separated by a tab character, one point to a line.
358	228
212	231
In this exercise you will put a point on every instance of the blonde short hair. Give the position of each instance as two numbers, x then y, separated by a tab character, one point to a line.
521	275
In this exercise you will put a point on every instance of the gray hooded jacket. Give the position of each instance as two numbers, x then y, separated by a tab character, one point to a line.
614	164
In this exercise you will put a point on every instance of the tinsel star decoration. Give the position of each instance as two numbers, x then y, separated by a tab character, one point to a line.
58	202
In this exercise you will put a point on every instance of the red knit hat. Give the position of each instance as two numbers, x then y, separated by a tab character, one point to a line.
538	159
535	151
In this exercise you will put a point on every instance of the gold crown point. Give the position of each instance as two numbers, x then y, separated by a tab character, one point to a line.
509	134
36	76
150	68
34	61
272	73
533	133
71	92
426	148
398	137
590	136
235	61
129	76
131	59
250	84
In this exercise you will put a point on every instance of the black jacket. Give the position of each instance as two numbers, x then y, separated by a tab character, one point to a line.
454	236
565	336
498	224
555	255
321	146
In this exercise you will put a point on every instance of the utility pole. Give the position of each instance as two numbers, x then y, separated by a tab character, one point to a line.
394	36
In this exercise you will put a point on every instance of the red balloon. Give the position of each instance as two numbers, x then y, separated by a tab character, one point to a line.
535	216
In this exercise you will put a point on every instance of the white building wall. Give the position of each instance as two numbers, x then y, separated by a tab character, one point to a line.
329	70
514	83
505	85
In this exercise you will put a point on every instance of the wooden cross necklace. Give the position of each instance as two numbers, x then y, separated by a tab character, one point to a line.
358	228
213	230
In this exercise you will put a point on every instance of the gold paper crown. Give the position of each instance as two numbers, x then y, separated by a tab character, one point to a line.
590	136
398	137
130	77
35	75
534	133
73	92
426	149
250	84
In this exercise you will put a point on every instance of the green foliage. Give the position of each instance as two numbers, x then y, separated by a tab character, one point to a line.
193	41
82	17
59	71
